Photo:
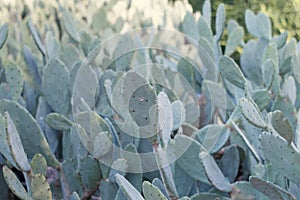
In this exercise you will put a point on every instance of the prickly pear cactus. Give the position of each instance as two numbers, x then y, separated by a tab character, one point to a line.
106	100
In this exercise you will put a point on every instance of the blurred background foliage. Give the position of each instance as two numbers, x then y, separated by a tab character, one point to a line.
284	14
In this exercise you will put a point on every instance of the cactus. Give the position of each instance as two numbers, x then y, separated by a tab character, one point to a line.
231	72
13	142
74	196
204	30
214	173
213	137
40	187
189	27
284	104
3	34
286	155
68	54
261	98
52	46
263	25
208	196
108	190
14	184
189	159
32	67
118	166
129	191
282	126
36	38
251	113
231	157
268	71
183	181
39	165
269	189
58	122
14	79
103	109
32	138
70	26
220	21
134	165
234	39
245	190
56	86
151	192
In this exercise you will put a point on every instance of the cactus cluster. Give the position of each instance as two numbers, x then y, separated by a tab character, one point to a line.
149	113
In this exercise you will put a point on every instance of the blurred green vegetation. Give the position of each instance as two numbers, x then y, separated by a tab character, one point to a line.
285	15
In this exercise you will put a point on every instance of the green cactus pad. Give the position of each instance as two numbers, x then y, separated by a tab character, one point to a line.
74	196
220	21
285	159
213	137
189	26
268	71
14	184
118	166
107	190
32	67
187	151
230	71
214	173
58	122
40	187
285	105
282	126
269	189
14	78
151	192
52	46
32	137
206	11
3	34
204	30
234	39
15	145
70	26
230	158
208	196
263	25
102	145
178	112
134	165
39	165
262	98
251	113
4	147
90	173
165	117
129	191
183	181
36	38
244	190
250	20
56	86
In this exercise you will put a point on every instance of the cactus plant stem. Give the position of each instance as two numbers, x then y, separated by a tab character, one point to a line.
245	139
27	177
165	172
89	193
64	184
